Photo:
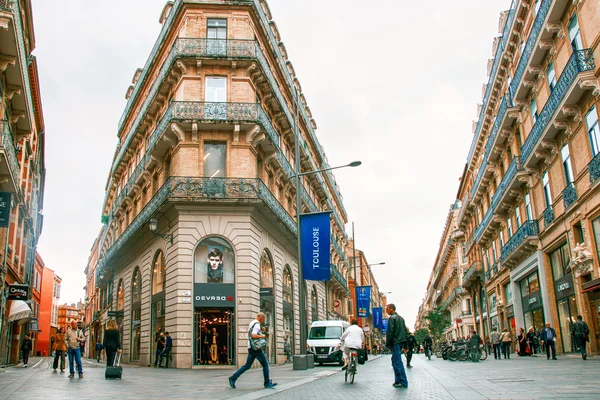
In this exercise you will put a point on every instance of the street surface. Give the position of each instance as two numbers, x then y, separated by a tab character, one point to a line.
517	378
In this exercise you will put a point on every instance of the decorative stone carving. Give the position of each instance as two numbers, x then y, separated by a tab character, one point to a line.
251	134
548	45
5	61
556	27
194	132
199	66
591	84
178	131
182	67
572	111
550	146
582	260
563	126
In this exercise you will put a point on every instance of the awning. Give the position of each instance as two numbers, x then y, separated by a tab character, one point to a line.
19	312
591	285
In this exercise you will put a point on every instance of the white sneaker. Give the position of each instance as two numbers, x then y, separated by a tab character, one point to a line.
24	365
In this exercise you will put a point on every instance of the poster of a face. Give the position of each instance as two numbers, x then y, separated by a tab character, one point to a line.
214	262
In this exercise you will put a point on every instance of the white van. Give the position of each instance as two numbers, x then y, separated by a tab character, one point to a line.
324	341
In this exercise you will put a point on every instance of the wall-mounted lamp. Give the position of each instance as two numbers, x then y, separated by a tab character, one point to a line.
154	225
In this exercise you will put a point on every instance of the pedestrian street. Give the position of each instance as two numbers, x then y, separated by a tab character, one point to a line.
518	378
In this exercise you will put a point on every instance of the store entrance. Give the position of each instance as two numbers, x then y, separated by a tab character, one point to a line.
214	331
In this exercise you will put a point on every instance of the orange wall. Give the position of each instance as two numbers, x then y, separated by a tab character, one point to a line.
43	340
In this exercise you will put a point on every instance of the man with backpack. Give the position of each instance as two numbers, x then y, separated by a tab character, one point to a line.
581	334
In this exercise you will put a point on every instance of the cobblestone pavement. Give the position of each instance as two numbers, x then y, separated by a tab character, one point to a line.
518	378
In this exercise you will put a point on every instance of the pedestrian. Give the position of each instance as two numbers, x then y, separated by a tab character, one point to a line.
496	344
411	343
166	353
396	341
60	348
73	337
531	339
25	349
488	344
111	342
255	352
522	342
474	343
159	339
581	334
506	340
548	337
99	348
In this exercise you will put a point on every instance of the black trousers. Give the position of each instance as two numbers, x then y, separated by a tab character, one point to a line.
409	357
25	356
497	351
550	345
506	349
110	356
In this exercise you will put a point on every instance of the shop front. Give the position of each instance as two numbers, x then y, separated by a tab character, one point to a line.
592	290
531	302
567	310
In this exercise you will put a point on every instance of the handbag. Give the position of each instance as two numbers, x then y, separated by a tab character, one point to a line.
256	344
362	356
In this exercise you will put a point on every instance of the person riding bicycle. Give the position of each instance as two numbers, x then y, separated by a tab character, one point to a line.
353	338
427	343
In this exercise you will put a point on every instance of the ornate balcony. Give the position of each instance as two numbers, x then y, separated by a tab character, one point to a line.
521	244
9	164
594	169
473	274
488	275
569	195
507	114
495	269
548	216
335	273
569	88
452	296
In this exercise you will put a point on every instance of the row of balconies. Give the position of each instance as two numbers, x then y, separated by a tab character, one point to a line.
9	164
337	275
452	296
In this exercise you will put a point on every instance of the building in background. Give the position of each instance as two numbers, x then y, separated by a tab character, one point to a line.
48	316
529	195
70	312
22	170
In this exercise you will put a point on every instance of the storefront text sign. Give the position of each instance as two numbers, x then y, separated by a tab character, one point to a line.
17	292
214	295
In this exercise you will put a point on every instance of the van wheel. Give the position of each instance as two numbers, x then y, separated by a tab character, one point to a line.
320	364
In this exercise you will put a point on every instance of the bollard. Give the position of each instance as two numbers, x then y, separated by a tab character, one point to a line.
300	362
310	360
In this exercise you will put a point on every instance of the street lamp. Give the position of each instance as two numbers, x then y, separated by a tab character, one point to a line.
153	225
301	284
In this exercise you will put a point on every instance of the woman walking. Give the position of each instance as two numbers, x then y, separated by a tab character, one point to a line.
111	342
522	340
531	341
60	349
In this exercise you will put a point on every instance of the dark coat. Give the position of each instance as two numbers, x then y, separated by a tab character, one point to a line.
26	345
544	334
396	333
112	339
474	342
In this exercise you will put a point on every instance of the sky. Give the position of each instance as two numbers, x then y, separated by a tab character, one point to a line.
396	89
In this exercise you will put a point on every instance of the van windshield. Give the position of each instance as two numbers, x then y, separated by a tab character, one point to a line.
325	332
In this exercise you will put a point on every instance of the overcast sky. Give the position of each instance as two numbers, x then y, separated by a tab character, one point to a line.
395	85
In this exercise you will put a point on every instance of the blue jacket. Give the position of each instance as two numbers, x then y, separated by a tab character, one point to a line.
544	334
169	343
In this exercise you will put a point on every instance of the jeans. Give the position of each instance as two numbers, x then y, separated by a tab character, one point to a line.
399	372
497	347
157	356
75	354
582	343
262	359
164	353
61	354
506	349
550	346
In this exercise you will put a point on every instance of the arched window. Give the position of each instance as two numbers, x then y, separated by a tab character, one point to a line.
288	285
136	287
266	271
267	303
159	273
288	313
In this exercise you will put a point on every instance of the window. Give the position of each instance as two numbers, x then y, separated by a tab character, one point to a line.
551	75
591	120
214	160
530	284
574	34
596	226
216	29
566	161
216	89
501	239
518	216
560	259
533	109
508	82
522	46
528	211
546	188
508	296
509	227
537	6
494	251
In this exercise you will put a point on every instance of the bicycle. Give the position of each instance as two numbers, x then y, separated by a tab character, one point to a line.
428	352
352	365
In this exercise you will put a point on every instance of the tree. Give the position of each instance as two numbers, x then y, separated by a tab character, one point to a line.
439	321
420	334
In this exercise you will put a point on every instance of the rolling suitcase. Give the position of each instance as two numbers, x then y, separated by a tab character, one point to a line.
116	371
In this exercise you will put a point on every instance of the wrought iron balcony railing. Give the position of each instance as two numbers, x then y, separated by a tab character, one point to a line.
580	61
487	275
339	277
473	271
569	195
548	216
594	168
453	295
8	145
529	228
495	269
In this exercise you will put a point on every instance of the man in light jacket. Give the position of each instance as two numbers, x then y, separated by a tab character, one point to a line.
73	338
353	338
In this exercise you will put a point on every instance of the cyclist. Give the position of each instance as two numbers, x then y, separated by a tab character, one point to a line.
353	338
427	344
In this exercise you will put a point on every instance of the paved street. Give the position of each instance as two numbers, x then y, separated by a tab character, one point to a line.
518	378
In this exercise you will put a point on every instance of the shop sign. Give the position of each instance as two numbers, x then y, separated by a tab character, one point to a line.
214	295
266	291
17	292
33	325
116	314
510	311
532	301
564	287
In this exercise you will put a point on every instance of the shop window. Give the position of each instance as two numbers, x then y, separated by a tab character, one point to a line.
560	260
214	261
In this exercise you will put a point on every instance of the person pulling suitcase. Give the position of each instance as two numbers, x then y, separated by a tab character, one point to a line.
114	371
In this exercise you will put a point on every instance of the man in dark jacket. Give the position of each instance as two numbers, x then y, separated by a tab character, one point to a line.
396	341
411	343
581	332
548	337
166	351
474	343
25	349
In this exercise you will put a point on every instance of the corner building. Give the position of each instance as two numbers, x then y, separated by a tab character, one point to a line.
206	156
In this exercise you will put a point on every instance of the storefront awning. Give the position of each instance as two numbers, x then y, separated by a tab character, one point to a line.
591	285
20	312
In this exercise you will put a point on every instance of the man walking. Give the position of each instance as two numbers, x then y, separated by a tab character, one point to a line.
548	337
474	343
581	332
166	353
495	339
73	338
26	348
396	341
411	343
254	334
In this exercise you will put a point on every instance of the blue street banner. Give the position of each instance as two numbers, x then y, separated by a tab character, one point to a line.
377	316
363	300
315	231
384	325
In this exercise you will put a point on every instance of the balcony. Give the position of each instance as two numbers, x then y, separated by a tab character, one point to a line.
507	115
548	216
336	274
569	195
193	190
594	169
488	275
569	88
473	274
521	244
495	269
453	296
9	164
